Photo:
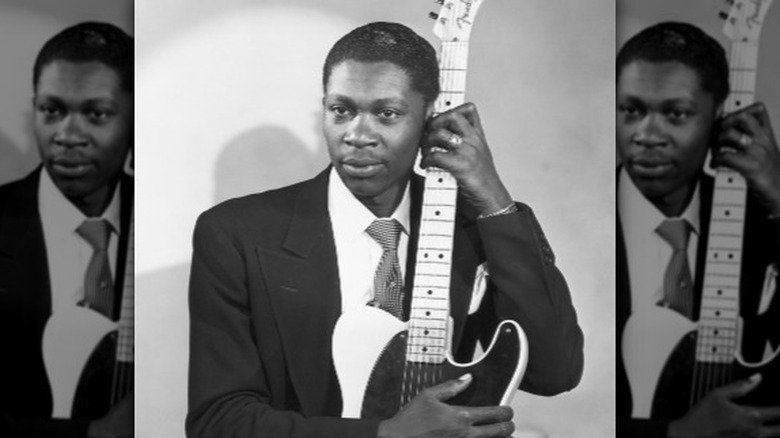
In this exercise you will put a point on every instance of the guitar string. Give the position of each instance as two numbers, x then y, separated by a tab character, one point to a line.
717	374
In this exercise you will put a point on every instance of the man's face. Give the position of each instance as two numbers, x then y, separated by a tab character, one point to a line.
83	127
664	123
373	122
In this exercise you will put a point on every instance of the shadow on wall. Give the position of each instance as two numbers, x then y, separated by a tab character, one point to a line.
263	158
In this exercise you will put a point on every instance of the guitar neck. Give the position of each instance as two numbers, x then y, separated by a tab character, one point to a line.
720	295
430	309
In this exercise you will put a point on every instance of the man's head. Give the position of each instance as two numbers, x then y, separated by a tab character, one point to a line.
672	82
380	81
83	111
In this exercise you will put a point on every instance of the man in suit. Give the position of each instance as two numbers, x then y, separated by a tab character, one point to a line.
673	80
272	272
49	249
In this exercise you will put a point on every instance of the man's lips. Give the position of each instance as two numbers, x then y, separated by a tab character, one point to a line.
650	167
361	167
71	168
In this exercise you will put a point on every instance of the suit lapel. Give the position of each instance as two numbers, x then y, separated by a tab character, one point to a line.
23	262
305	291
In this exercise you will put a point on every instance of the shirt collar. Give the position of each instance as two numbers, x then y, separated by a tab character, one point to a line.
57	212
641	215
345	209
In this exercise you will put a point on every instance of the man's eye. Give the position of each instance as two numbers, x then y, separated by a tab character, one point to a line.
629	110
98	115
49	110
388	114
678	114
340	111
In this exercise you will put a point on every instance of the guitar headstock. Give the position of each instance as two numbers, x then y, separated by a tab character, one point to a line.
455	19
744	19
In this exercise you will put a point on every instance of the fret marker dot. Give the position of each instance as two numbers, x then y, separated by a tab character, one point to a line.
425	349
715	332
728	213
426	332
441	256
720	292
714	349
449	103
441	180
430	292
428	313
438	213
731	256
715	255
717	313
731	180
425	255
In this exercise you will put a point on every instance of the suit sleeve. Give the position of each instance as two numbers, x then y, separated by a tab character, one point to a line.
11	427
228	389
528	288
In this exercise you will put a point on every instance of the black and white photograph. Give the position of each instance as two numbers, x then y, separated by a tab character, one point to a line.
265	315
698	202
66	214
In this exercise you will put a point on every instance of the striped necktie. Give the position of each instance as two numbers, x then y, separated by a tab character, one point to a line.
678	282
388	282
98	283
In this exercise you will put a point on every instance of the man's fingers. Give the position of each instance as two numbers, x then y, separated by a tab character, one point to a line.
487	415
450	388
741	387
766	414
503	429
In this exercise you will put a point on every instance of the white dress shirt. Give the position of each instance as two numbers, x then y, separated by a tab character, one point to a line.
357	253
647	252
68	253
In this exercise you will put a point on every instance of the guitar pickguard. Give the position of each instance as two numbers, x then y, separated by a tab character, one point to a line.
369	353
69	340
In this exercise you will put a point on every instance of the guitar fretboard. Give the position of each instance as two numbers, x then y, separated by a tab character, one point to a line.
430	309
717	332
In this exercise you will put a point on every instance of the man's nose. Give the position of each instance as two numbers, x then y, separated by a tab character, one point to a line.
650	131
70	132
361	132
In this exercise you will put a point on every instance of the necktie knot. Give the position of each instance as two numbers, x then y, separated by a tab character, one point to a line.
385	233
96	233
675	232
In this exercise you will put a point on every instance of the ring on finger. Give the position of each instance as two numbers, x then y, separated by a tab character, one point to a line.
745	140
454	140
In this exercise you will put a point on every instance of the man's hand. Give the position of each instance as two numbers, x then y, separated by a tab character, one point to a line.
747	144
427	416
118	422
456	143
717	416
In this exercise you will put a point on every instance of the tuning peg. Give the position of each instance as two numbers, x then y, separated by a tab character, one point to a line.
723	15
441	2
433	15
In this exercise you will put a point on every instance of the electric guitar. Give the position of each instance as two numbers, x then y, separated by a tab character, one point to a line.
382	362
88	357
668	351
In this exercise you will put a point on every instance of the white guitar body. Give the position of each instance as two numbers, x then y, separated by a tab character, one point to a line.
360	337
358	340
69	339
649	338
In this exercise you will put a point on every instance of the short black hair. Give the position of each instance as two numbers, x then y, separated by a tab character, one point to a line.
87	42
684	43
390	42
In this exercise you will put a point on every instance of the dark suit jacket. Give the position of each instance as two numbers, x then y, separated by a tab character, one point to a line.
25	307
265	296
761	247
